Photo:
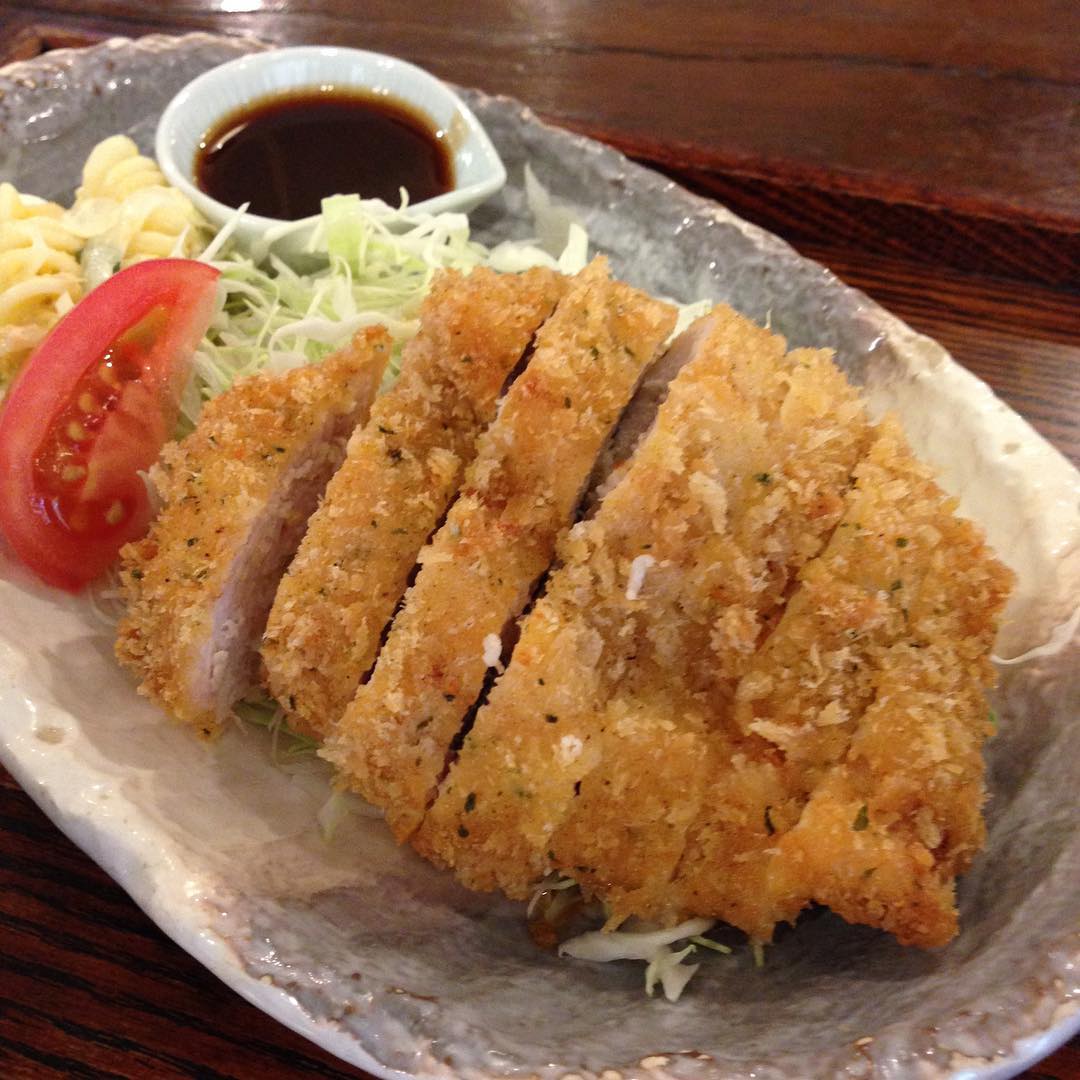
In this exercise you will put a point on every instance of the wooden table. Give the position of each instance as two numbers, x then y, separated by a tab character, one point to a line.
928	152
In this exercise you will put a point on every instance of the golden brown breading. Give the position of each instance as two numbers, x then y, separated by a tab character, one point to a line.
683	739
237	493
869	695
477	574
756	678
597	746
885	832
400	473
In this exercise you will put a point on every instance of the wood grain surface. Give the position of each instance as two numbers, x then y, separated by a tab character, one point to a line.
967	105
928	153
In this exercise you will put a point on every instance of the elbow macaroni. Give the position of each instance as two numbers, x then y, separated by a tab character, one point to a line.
144	217
40	277
115	169
124	212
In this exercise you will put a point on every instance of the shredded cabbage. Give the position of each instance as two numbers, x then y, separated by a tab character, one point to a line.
664	965
663	949
604	946
553	883
374	265
333	812
708	943
285	744
757	948
667	968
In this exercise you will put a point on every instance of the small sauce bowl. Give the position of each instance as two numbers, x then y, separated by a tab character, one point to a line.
204	102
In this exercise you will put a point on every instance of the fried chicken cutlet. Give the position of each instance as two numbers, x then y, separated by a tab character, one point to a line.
605	716
401	471
755	679
828	751
237	494
499	537
871	691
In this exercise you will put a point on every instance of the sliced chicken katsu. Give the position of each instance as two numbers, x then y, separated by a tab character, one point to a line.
237	495
477	574
400	473
638	418
859	783
598	744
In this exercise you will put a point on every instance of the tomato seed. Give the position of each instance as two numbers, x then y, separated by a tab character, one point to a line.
71	473
76	432
108	375
87	402
114	513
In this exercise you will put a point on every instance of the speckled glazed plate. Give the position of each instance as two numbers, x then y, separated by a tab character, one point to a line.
385	961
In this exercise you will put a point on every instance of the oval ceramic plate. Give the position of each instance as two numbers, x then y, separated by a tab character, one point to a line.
384	960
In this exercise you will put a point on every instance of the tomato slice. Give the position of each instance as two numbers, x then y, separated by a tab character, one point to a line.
94	405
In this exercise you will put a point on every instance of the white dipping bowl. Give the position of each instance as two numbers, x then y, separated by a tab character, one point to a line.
197	109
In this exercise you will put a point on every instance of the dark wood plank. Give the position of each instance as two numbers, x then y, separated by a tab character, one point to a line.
827	218
1064	1065
766	117
1022	339
34	39
973	109
89	987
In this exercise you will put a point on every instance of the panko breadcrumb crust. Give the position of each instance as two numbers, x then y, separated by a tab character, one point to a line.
477	574
682	738
214	485
755	679
401	471
625	664
872	688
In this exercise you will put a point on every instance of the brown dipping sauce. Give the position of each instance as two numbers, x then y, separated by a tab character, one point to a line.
284	154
